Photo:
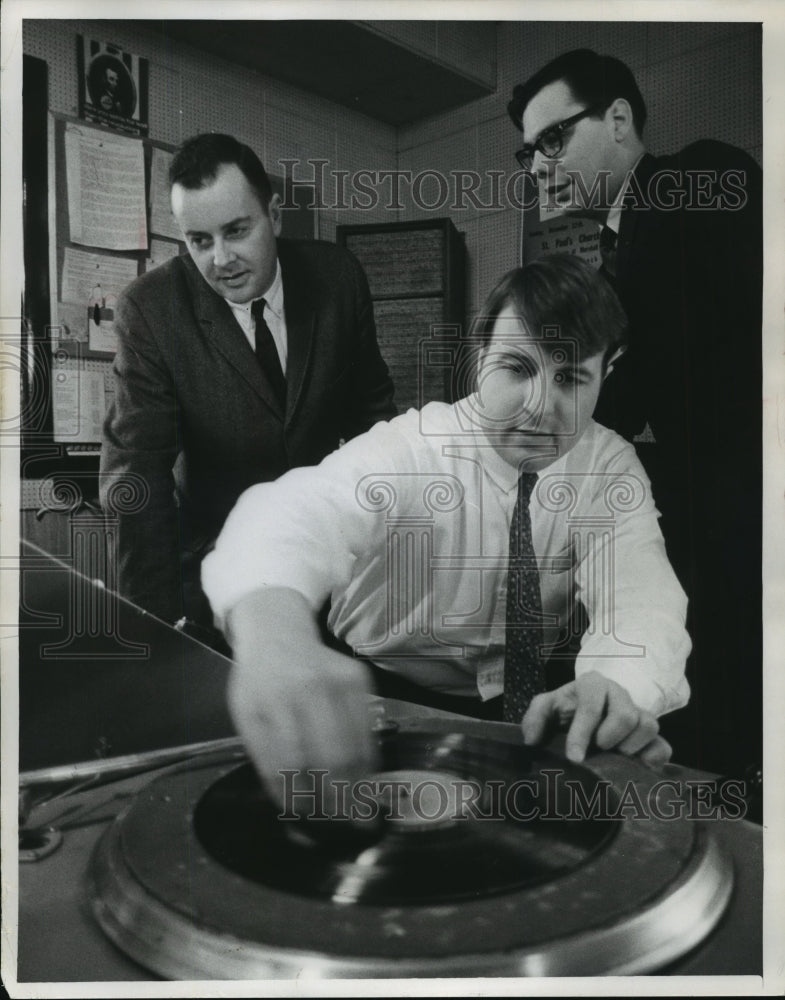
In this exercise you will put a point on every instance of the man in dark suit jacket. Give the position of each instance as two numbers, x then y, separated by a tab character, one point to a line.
215	393
682	243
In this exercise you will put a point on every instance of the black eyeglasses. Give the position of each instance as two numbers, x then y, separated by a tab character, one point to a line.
551	142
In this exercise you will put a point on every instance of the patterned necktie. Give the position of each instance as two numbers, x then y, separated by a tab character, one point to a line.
267	352
524	675
608	239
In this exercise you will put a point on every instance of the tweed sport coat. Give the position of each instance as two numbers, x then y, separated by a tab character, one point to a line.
195	421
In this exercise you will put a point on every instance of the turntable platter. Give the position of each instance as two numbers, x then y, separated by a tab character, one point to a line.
201	878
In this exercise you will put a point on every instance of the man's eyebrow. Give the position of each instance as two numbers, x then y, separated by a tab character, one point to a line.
577	368
542	131
234	222
225	226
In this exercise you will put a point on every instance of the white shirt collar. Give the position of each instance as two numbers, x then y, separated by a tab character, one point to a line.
274	295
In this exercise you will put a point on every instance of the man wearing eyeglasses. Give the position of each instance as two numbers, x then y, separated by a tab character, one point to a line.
680	239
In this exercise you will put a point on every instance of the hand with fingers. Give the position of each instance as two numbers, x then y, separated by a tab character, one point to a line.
298	705
596	712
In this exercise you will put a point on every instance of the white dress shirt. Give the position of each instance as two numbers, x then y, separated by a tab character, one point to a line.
406	530
273	314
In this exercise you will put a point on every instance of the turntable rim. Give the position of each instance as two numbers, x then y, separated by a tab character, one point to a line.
669	924
179	949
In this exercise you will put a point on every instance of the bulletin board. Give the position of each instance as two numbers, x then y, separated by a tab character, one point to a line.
107	225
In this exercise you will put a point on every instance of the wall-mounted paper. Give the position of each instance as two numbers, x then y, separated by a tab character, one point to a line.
161	219
84	274
549	229
78	405
101	335
106	196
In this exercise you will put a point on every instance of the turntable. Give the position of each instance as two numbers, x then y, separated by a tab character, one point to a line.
489	859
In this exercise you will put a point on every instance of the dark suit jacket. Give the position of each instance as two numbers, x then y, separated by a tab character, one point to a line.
195	421
690	278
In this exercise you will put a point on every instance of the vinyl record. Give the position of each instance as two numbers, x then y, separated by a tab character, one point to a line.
441	825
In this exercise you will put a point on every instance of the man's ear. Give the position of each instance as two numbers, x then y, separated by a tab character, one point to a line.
613	359
274	212
620	116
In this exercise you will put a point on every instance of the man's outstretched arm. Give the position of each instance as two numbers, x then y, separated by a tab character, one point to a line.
297	704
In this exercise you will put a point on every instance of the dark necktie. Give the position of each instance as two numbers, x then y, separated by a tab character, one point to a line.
608	239
267	352
524	676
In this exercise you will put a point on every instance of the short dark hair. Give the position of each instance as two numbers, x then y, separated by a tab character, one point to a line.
594	80
197	162
560	290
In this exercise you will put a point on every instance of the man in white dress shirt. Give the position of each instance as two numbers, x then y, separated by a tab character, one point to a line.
404	534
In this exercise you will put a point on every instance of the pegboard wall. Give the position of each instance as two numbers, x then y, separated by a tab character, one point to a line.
700	80
193	92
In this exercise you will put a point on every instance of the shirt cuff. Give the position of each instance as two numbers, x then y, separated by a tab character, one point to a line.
645	691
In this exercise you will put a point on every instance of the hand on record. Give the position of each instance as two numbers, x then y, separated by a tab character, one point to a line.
597	712
299	706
